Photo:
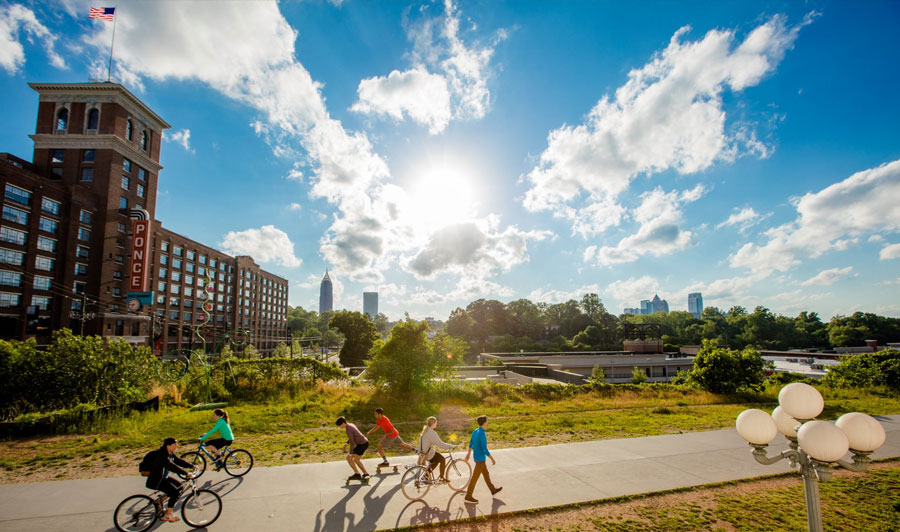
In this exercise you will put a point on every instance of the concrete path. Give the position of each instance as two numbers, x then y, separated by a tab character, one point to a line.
313	497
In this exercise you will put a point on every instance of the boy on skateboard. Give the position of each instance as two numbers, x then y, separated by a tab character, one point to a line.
358	445
391	436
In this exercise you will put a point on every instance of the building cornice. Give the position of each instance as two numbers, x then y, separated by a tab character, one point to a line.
93	142
80	89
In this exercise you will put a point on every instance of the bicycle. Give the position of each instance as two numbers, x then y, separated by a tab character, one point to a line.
237	462
175	364
418	479
139	513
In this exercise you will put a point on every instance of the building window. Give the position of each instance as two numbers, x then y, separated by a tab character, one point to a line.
177	251
44	264
140	191
121	227
81	252
93	121
176	263
13	236
56	173
84	235
202	259
188	303
161	286
188	291
175	289
50	207
120	324
8	300
162	273
116	292
138	206
18	195
160	300
123	203
86	217
48	225
189	267
212	263
10	278
120	243
126	182
136	328
120	259
176	276
88	156
62	120
164	246
46	244
191	255
142	174
80	269
145	142
126	165
129	130
57	156
87	174
8	256
173	314
163	259
221	279
117	275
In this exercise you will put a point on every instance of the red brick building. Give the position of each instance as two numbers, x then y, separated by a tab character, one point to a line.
65	234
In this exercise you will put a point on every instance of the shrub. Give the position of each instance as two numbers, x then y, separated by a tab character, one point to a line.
721	370
638	376
867	369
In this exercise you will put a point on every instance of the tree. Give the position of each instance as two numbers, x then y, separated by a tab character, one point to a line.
720	370
359	336
638	376
592	306
460	324
407	361
525	318
382	324
598	375
867	369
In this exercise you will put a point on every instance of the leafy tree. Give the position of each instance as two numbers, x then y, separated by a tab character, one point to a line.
638	376
592	306
526	319
282	350
598	375
382	324
867	369
720	370
408	361
359	336
460	324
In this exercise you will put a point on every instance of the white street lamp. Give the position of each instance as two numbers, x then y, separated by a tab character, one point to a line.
816	447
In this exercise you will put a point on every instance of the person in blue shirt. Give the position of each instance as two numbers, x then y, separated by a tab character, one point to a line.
478	448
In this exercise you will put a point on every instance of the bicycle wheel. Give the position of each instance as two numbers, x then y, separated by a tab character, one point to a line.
458	474
197	460
415	483
135	514
238	463
201	508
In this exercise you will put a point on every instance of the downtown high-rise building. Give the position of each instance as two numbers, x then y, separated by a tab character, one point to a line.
326	295
695	304
370	304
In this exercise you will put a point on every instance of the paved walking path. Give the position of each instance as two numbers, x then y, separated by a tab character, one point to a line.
313	497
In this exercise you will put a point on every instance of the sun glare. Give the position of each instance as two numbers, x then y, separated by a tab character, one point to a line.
443	196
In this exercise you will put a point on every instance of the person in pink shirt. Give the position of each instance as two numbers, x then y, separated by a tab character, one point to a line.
391	436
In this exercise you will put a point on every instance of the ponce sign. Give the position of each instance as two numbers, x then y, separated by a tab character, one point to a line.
140	255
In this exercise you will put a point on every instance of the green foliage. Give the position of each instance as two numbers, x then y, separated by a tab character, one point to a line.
408	361
720	370
598	375
638	376
359	336
867	369
71	371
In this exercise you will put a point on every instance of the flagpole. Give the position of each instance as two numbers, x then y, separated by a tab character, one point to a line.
113	43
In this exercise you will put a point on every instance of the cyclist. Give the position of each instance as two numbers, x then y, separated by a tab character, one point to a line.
358	445
428	442
391	436
226	435
163	463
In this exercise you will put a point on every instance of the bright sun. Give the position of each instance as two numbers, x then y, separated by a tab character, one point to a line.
443	196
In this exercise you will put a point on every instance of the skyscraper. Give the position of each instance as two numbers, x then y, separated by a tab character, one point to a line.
326	297
658	305
370	304
695	304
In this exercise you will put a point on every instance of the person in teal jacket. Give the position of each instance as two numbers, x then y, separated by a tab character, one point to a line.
226	436
478	447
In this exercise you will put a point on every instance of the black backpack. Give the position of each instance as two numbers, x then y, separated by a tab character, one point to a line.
147	462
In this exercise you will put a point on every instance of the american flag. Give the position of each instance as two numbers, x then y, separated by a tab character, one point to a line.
103	13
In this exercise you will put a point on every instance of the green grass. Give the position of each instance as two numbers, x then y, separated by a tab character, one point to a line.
301	428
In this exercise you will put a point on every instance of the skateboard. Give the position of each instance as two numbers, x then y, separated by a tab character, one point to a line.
362	481
380	467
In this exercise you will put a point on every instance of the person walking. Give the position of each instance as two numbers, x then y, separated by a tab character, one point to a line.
358	445
478	449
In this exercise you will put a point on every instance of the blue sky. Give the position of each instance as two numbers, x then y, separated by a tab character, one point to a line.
439	152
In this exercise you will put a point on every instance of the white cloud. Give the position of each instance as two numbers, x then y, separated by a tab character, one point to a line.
13	19
888	252
561	296
295	207
667	116
182	138
629	292
828	277
831	219
660	231
296	173
423	97
448	79
744	219
266	244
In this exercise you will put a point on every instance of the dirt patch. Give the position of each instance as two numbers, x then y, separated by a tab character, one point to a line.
703	500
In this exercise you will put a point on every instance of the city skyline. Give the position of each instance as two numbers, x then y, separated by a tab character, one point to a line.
441	152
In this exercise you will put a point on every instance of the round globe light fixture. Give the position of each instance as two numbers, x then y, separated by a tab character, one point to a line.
823	441
801	401
786	424
756	426
864	432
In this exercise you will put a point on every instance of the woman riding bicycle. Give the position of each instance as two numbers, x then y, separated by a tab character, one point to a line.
226	435
163	463
428	443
